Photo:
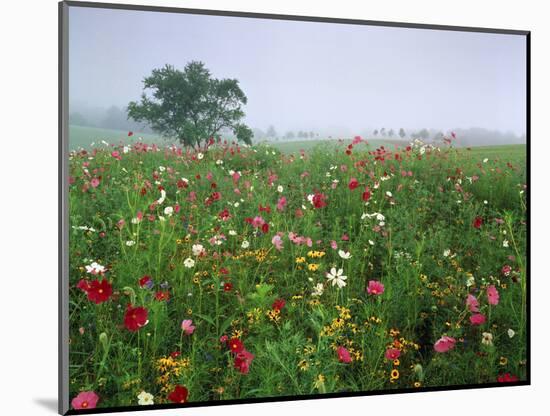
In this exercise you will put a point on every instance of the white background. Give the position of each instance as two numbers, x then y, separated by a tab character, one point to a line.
28	183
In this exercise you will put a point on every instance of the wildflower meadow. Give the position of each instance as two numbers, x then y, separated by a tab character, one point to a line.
232	271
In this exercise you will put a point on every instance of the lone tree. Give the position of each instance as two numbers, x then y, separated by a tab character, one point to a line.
402	133
191	106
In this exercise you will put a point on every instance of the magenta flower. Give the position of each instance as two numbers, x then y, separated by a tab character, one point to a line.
444	344
85	400
343	355
375	288
477	319
94	182
492	295
392	354
281	203
472	303
257	222
187	326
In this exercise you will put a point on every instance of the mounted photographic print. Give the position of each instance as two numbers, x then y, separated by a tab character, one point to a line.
264	207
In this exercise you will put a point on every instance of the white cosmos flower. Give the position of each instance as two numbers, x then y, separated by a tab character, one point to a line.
447	253
336	277
485	160
245	244
125	149
487	338
168	211
95	268
388	193
200	156
189	262
505	243
318	289
145	398
280	188
344	254
219	162
232	232
162	197
130	243
162	168
511	333
371	242
197	249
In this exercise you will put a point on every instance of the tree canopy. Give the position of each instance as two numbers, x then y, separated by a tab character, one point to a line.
191	105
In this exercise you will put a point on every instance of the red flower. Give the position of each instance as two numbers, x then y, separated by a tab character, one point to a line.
507	378
343	355
135	318
146	281
319	200
279	304
162	295
224	215
179	394
478	221
265	228
83	285
228	287
353	183
243	360
99	292
235	345
130	133
366	194
392	353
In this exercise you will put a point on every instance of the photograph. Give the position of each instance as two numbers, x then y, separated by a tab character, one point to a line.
266	207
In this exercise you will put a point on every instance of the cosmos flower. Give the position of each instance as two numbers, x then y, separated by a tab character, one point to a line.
145	398
472	303
99	292
279	304
187	326
444	344
343	355
392	354
492	295
235	345
189	262
336	277
375	287
344	254
318	289
179	394
135	318
243	360
95	268
353	183
85	400
487	339
478	222
197	249
477	319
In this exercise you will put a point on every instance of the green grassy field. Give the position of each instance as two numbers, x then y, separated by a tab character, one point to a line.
251	272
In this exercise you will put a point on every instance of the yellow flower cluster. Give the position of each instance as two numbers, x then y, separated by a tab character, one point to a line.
254	316
168	369
316	254
274	315
260	255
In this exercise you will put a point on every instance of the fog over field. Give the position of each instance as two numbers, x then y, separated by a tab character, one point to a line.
317	79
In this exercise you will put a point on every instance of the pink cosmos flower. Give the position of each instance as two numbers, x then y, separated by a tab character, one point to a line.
277	242
343	355
243	360
444	344
281	203
85	400
257	222
375	288
94	182
472	303
392	353
492	295
334	245
187	326
477	319
116	155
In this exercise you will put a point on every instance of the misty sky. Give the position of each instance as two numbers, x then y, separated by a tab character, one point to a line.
305	75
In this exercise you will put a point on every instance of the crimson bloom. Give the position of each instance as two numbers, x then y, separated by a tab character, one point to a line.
478	222
85	400
343	355
319	200
135	318
179	394
353	183
279	304
366	194
146	282
507	378
98	292
236	345
243	360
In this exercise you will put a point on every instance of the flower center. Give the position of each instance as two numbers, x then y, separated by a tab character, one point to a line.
84	404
